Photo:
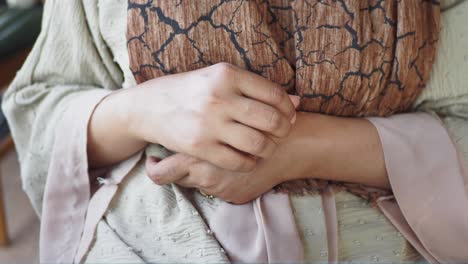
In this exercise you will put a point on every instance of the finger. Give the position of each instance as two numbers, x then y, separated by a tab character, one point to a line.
256	87
187	182
169	169
248	140
296	100
225	157
259	116
202	175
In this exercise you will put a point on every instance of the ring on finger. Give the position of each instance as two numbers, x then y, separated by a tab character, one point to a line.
209	196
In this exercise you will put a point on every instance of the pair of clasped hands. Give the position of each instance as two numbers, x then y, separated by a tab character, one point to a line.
225	128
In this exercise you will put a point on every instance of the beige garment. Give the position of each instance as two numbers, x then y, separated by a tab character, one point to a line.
447	91
366	235
65	64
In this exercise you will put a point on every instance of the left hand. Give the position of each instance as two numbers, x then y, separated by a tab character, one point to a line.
233	187
318	146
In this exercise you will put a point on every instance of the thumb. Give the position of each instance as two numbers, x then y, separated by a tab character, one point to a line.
170	169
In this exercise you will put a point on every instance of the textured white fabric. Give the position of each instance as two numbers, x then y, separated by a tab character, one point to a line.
159	224
68	59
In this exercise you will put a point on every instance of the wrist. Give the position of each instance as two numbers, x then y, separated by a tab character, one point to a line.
151	106
337	149
304	147
109	140
122	110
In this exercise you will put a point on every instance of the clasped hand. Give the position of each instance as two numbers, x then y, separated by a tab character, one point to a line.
225	127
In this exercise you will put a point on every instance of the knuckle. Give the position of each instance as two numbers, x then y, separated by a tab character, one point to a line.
207	182
259	143
276	95
246	165
223	69
212	100
224	162
250	166
209	177
238	164
171	171
274	120
191	162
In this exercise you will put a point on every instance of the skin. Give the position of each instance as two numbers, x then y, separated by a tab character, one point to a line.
236	133
226	116
318	146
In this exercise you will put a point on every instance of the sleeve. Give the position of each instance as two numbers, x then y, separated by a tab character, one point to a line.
48	106
426	153
429	183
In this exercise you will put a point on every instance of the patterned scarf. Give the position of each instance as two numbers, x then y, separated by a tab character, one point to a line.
343	57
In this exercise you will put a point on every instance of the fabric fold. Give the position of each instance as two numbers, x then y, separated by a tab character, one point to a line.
331	222
67	189
429	184
428	181
100	202
262	231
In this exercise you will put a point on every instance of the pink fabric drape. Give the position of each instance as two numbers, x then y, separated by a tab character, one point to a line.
430	185
427	177
67	189
100	201
262	231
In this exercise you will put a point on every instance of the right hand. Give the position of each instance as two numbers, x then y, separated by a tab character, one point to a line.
222	114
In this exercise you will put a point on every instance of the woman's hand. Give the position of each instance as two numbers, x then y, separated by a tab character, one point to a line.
234	187
222	114
318	146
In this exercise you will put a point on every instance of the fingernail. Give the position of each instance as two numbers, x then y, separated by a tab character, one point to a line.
296	100
293	120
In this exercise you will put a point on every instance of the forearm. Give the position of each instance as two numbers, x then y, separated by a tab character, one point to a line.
216	118
338	149
110	137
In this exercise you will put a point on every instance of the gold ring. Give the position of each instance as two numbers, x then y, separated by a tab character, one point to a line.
209	196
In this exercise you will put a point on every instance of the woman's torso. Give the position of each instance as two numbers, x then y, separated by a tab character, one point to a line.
364	233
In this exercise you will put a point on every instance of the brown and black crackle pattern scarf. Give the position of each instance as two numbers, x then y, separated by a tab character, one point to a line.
343	57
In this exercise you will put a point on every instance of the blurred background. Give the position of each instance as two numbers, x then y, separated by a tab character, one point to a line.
20	23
